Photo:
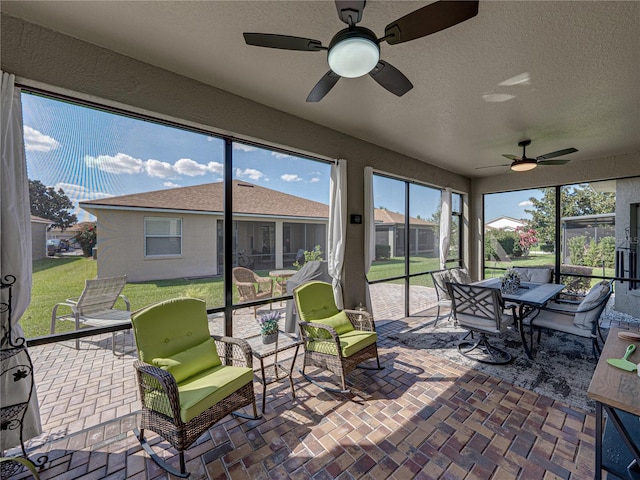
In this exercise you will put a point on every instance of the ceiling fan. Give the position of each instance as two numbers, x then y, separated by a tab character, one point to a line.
355	51
524	163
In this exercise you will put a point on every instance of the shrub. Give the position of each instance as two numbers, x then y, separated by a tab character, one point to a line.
547	247
383	252
577	249
86	238
576	284
309	256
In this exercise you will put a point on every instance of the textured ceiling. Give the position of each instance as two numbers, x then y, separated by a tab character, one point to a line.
564	74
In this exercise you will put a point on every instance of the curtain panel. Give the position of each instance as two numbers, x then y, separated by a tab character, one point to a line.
337	227
15	250
445	226
369	230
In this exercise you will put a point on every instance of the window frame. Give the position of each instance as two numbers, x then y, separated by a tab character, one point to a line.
148	235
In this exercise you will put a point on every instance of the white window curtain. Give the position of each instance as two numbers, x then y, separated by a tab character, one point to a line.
445	226
337	227
15	248
369	229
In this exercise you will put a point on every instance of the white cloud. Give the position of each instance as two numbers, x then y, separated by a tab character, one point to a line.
251	173
120	163
215	167
314	180
290	177
280	155
526	203
79	193
171	185
34	141
243	147
156	168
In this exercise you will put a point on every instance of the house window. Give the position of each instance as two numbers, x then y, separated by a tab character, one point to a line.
162	236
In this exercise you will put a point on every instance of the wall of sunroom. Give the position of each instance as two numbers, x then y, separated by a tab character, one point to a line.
44	58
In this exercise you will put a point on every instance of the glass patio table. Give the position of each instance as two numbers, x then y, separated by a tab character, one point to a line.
277	370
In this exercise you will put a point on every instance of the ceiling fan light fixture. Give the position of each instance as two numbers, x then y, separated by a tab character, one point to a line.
353	53
524	165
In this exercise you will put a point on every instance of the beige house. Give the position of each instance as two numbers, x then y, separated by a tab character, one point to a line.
39	237
390	229
178	232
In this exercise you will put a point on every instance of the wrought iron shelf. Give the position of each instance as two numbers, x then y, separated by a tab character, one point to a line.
16	364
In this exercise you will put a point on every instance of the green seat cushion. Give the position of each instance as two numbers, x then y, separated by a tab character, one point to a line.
203	391
191	361
339	322
315	301
350	343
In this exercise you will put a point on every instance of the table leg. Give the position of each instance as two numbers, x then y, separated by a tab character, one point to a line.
598	473
520	318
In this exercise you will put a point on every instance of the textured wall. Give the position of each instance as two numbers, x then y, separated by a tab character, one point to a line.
627	193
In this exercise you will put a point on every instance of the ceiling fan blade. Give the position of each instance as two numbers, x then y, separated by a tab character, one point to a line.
391	78
493	166
511	157
350	11
553	162
430	19
325	84
284	42
559	153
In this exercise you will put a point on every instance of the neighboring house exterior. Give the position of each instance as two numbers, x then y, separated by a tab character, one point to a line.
39	237
177	233
504	223
390	231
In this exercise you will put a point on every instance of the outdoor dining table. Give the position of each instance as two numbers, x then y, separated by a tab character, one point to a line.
530	297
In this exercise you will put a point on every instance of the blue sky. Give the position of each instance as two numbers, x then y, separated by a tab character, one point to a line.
92	154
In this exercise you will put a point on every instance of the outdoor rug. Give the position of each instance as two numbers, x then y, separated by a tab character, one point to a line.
562	367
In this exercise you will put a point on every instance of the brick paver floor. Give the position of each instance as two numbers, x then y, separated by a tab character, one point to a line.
421	417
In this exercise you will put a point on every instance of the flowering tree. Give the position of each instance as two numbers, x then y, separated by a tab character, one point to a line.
528	238
87	237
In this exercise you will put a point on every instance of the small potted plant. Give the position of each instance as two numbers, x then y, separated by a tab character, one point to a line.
269	327
510	282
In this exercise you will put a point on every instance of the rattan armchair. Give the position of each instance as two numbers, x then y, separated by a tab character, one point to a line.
188	379
334	340
251	286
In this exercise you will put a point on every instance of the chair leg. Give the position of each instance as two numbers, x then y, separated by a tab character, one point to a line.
498	356
437	317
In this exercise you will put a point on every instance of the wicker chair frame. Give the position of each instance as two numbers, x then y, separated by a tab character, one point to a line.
159	387
251	286
338	364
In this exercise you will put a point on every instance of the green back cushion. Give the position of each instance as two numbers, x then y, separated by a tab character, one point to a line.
191	361
169	328
339	322
315	301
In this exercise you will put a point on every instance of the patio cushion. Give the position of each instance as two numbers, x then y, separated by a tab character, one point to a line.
586	312
169	330
339	322
350	343
203	391
460	275
534	275
190	362
314	299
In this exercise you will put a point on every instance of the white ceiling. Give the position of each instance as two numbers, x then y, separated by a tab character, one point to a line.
570	70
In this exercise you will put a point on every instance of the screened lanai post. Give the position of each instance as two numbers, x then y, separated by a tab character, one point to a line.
369	230
445	226
337	227
15	248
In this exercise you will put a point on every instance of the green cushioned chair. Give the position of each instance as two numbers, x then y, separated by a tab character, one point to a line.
334	340
188	378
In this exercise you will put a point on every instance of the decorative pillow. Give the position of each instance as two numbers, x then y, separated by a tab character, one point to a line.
586	312
460	275
440	280
339	322
191	361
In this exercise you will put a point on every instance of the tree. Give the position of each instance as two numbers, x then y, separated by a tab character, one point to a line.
87	237
575	200
52	205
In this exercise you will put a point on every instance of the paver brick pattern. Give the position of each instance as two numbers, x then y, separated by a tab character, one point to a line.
421	417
